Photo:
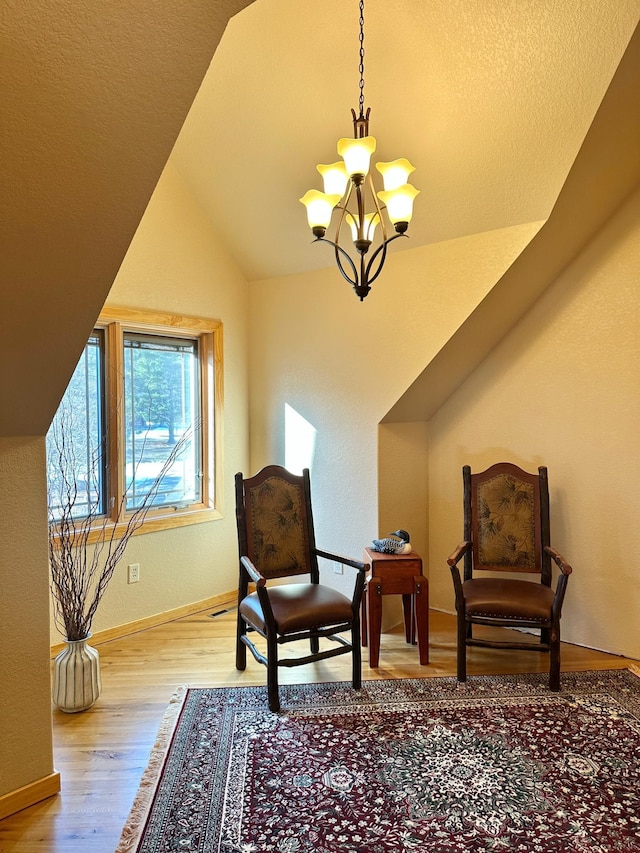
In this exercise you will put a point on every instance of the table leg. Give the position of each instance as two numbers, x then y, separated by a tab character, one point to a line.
409	618
375	621
421	600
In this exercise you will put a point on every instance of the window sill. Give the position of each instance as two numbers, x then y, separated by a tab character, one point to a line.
154	523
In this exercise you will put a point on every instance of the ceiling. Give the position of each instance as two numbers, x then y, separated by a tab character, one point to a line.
92	98
489	99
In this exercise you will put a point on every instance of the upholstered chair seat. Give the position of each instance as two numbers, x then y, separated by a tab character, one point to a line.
496	598
298	607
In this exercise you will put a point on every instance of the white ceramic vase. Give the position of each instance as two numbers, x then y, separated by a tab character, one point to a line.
76	676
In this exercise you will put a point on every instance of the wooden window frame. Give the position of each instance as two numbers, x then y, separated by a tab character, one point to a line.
115	321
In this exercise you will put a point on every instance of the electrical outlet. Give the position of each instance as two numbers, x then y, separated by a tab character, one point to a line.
134	573
338	569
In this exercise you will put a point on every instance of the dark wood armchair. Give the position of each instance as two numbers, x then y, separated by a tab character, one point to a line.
276	540
506	530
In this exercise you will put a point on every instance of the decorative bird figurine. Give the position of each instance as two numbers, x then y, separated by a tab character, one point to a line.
395	543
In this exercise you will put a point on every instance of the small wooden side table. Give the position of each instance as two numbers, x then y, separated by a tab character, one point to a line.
395	574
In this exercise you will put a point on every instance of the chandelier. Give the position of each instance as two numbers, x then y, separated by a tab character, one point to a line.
349	190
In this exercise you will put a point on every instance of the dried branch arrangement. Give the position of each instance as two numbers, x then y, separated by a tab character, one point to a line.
85	547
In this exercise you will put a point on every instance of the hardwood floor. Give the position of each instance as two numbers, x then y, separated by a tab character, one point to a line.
102	753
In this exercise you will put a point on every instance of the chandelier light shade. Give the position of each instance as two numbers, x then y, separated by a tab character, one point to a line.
335	178
399	204
349	190
319	209
356	154
396	173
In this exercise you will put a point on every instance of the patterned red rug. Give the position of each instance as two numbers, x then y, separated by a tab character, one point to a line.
496	764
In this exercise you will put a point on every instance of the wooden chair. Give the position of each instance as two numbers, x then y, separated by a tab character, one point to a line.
276	540
506	530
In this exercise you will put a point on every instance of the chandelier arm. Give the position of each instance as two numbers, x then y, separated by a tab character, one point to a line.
382	248
340	251
342	206
379	208
360	205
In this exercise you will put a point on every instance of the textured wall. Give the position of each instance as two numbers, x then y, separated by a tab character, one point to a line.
562	390
341	364
176	264
93	97
25	706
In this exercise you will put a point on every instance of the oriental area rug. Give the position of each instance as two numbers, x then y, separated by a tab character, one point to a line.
495	764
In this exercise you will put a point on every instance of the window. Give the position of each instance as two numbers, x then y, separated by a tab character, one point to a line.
161	401
141	419
76	436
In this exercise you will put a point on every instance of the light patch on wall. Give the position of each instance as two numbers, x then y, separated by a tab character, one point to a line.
299	441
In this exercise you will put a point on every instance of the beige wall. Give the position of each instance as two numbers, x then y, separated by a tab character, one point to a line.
342	364
176	264
89	140
403	479
403	493
563	390
24	595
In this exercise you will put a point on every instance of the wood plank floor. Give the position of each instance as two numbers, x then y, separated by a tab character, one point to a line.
102	753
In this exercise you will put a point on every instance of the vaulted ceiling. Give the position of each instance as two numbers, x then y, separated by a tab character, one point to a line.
489	99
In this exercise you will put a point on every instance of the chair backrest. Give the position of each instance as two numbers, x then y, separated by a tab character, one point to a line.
506	516
275	522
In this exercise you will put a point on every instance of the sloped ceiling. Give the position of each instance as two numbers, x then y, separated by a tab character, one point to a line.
92	98
490	100
605	173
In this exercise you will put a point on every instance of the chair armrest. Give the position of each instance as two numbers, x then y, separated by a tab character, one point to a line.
559	560
253	573
358	586
460	551
263	594
561	586
346	561
452	562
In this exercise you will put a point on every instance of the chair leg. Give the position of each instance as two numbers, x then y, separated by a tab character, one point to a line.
241	649
315	645
356	655
272	675
462	648
554	663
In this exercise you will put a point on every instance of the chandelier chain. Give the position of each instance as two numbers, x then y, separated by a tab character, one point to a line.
361	66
